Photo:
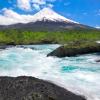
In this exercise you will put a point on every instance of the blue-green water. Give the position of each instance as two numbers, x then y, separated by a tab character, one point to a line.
78	74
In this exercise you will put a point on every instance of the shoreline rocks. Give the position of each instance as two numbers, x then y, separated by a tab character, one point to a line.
30	88
76	48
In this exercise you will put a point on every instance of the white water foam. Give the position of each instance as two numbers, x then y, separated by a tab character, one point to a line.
80	75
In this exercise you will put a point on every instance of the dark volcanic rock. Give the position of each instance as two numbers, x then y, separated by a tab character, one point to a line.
98	60
6	46
75	49
29	88
45	26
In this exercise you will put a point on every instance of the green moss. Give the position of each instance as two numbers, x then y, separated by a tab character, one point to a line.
81	44
37	96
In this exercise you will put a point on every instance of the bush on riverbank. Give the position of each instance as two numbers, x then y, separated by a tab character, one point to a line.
14	36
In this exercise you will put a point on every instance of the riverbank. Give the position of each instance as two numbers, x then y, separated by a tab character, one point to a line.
22	37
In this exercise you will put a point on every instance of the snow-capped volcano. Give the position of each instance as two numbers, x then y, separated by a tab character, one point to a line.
45	19
50	15
47	14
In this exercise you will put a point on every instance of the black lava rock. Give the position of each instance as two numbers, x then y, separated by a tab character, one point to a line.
29	88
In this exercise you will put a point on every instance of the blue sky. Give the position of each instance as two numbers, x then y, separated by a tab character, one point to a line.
83	11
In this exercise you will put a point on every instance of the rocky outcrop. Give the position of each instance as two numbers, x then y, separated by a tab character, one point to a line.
76	48
29	88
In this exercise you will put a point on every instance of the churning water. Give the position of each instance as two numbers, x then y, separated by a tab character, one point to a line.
78	74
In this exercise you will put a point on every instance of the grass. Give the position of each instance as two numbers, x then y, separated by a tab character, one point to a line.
14	36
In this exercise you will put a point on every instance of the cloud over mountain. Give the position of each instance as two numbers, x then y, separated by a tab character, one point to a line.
28	5
24	4
11	17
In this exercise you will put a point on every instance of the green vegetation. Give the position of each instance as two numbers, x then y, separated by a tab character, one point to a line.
14	36
81	45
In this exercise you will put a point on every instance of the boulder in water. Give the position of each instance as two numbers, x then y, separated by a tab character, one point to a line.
76	48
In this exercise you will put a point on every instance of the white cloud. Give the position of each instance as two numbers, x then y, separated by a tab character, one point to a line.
24	4
39	2
11	17
98	27
43	3
10	13
50	5
34	4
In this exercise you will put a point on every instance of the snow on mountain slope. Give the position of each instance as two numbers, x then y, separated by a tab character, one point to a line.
10	17
50	15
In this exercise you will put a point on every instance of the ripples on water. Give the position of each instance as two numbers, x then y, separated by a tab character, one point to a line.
78	74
